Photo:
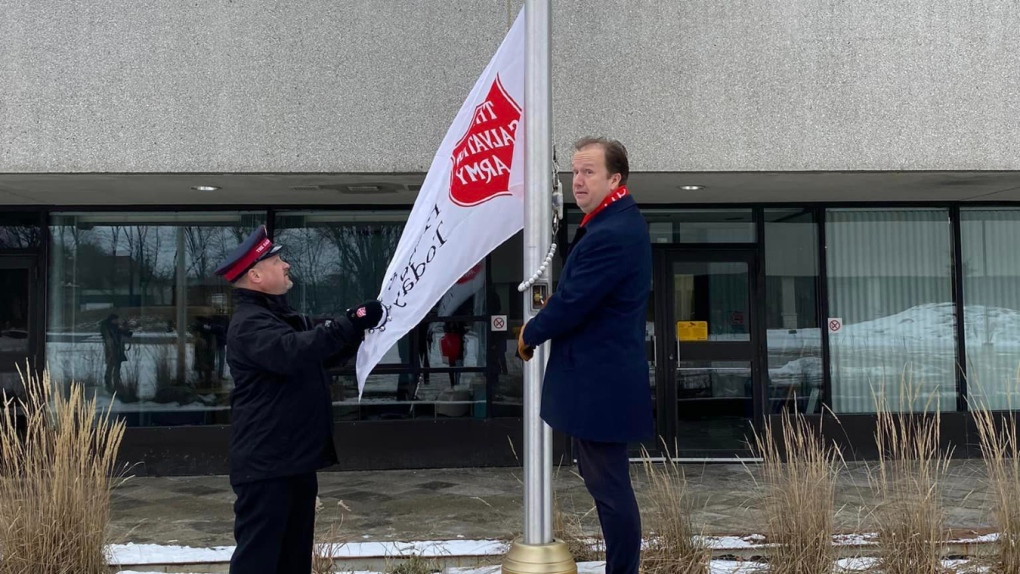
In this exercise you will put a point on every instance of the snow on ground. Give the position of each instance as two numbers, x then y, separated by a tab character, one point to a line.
847	566
139	554
135	555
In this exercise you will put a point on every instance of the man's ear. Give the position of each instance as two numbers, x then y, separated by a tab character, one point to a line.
614	181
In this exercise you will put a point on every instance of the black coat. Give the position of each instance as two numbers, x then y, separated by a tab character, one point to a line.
281	405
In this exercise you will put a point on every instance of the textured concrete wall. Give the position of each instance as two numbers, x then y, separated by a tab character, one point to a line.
371	85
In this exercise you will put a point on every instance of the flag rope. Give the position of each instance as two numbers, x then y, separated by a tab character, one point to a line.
557	216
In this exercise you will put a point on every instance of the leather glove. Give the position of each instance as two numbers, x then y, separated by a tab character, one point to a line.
366	315
523	350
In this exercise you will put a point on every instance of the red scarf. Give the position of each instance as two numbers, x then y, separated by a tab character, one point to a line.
620	193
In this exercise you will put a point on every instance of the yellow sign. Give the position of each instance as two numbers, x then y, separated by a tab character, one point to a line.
692	330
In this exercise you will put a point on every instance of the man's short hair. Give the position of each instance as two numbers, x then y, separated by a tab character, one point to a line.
616	155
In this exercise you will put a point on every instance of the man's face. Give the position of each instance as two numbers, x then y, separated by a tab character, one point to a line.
271	276
592	181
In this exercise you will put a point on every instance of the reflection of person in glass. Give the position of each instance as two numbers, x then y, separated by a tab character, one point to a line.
452	347
219	323
465	298
420	340
113	346
205	349
596	382
281	407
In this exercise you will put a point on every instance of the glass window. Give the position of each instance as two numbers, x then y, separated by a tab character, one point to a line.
890	281
20	230
453	357
506	368
991	296
337	259
137	315
795	373
701	226
689	225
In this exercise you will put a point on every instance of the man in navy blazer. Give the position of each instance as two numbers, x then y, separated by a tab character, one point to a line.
596	383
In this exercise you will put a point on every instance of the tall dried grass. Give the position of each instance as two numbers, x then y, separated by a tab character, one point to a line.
414	564
1001	452
799	472
329	543
911	473
56	474
574	529
673	547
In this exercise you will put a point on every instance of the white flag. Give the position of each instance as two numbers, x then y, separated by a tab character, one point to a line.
471	202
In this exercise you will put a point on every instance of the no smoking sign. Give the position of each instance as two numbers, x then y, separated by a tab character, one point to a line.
835	325
498	323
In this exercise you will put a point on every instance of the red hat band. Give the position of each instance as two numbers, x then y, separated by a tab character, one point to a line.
250	258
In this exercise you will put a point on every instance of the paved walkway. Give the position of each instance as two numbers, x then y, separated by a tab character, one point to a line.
486	503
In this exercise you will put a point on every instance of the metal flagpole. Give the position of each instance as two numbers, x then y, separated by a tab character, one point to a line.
537	552
537	237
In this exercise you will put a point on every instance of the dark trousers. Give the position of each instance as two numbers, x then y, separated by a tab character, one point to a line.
605	468
112	376
274	525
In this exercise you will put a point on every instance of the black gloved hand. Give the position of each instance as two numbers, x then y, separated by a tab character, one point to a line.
366	316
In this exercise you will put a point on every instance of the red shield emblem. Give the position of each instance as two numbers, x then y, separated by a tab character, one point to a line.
471	273
482	158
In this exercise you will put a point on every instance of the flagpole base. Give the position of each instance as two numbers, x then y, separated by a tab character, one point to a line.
551	558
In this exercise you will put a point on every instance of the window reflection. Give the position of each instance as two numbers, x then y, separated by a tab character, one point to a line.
795	373
991	295
137	315
20	231
890	281
452	364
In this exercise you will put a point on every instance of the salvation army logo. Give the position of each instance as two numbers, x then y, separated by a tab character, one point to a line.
471	273
483	157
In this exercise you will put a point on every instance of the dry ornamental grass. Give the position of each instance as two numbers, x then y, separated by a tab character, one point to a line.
1001	454
799	498
911	472
56	474
672	546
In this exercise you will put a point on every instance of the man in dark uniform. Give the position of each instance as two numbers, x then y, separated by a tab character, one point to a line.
113	345
596	383
282	429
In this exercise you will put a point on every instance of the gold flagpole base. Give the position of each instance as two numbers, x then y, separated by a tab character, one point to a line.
539	559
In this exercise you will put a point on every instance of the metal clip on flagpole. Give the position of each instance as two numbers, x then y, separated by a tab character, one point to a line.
537	552
557	216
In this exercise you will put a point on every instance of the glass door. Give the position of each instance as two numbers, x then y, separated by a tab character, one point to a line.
708	399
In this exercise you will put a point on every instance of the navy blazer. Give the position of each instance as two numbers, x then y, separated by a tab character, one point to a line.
596	383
